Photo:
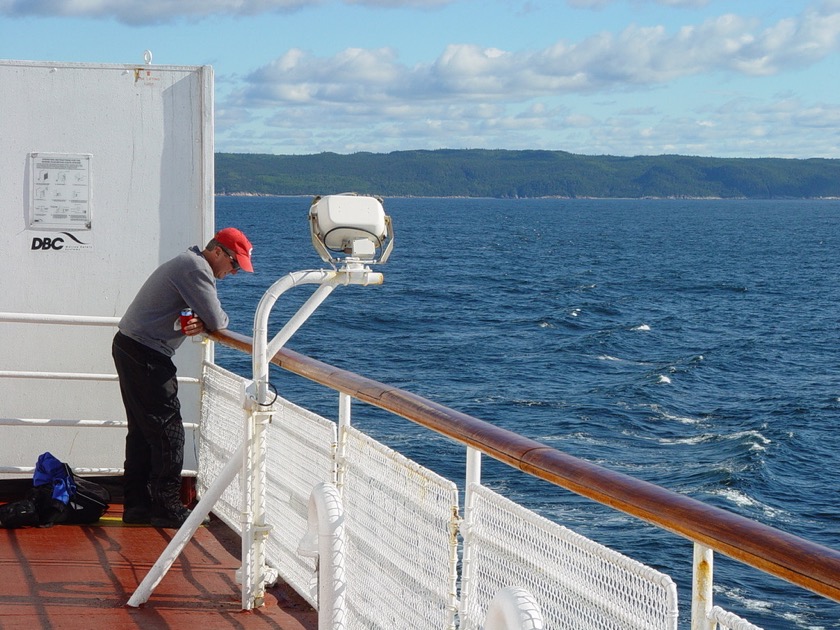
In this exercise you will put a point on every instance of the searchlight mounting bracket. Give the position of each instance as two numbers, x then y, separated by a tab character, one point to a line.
350	232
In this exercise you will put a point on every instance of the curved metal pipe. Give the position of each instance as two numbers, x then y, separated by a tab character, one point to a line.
325	541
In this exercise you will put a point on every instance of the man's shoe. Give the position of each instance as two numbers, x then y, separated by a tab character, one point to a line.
174	519
136	515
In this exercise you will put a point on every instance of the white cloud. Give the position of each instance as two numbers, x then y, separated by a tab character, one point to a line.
786	127
645	88
739	127
416	4
140	12
366	99
353	75
635	57
600	4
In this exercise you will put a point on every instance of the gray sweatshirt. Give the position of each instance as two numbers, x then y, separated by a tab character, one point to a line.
186	281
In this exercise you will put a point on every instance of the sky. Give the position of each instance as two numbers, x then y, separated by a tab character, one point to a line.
720	78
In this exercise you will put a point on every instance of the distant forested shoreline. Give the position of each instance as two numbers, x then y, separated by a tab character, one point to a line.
512	174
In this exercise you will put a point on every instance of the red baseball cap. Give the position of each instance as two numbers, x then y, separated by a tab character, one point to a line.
238	244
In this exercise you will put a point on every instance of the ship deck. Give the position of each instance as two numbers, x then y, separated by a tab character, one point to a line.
81	576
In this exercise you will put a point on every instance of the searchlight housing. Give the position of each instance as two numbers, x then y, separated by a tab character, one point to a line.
351	227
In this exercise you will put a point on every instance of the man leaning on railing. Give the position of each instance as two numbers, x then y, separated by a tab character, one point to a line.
149	333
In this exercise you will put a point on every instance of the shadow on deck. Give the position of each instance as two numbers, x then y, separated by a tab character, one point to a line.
72	576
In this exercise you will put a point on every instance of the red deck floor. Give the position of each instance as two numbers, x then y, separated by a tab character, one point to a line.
72	576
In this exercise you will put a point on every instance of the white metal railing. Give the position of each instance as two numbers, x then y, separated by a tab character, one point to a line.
391	539
401	521
67	376
728	621
328	459
576	582
810	565
72	321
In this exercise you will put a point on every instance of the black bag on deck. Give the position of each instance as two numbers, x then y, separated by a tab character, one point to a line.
89	502
19	514
58	496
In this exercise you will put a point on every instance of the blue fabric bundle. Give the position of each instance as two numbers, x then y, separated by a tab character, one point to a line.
49	470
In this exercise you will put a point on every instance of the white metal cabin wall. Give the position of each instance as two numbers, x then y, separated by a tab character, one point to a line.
149	130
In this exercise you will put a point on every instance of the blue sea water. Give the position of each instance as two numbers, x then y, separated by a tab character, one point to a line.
690	343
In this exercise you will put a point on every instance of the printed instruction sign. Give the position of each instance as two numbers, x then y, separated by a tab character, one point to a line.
61	191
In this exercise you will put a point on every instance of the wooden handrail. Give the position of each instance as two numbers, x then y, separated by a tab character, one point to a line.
799	561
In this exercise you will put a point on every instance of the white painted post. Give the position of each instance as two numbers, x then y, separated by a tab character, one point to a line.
701	592
344	421
473	475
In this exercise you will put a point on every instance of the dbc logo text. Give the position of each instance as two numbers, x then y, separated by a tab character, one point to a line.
47	243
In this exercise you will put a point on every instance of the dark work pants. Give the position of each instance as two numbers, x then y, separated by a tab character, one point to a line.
154	445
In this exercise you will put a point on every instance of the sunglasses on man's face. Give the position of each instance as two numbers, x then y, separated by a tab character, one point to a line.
233	262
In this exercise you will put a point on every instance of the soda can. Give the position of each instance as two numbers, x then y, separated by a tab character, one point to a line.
186	316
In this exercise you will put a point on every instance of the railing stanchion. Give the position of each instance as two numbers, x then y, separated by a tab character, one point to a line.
702	588
345	403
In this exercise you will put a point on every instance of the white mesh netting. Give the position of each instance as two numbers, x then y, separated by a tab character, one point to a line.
220	432
730	621
399	518
398	514
299	455
578	583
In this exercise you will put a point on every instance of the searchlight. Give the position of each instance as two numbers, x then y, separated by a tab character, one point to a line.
351	227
